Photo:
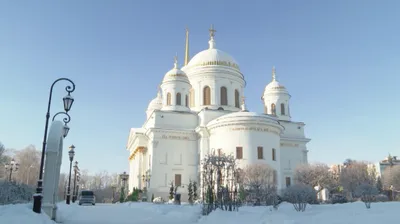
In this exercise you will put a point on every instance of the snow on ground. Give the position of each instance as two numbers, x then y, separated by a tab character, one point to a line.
143	213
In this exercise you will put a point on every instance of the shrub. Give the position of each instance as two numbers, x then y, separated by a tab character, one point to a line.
367	193
338	199
381	198
299	195
158	200
12	193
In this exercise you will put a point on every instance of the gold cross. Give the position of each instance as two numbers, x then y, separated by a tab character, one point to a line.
212	31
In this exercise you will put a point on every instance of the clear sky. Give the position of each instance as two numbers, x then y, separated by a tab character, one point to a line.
338	59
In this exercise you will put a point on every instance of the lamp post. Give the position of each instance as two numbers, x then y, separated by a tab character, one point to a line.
71	154
11	167
124	177
76	172
146	178
68	101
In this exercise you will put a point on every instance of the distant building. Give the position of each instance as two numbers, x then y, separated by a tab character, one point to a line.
387	162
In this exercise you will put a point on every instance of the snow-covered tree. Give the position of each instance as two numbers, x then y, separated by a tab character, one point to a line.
367	193
195	197
259	182
190	192
299	195
28	159
315	175
354	175
171	191
12	192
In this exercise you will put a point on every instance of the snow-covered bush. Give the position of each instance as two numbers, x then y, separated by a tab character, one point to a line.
198	201
299	195
12	193
367	193
381	198
158	200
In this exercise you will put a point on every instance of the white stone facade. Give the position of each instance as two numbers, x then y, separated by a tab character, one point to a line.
174	138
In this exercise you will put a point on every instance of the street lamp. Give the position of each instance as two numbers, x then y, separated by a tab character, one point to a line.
12	167
146	178
68	101
76	173
71	154
124	177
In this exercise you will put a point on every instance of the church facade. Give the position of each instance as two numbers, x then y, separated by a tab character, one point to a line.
199	109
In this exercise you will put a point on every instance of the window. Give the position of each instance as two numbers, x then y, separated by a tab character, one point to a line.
237	103
265	110
186	101
224	96
206	95
282	109
273	155
288	181
239	152
178	99
191	94
260	152
168	99
273	109
178	180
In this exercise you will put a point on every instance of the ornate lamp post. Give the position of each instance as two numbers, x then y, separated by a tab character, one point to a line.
124	177
11	167
76	173
71	154
146	178
68	101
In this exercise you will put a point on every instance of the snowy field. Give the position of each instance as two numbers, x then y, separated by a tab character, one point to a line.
143	213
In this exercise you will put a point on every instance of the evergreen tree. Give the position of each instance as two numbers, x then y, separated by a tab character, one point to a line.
171	191
379	185
194	190
122	195
152	197
190	192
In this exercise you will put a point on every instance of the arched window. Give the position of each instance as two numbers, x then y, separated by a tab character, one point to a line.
265	110
282	109
191	94
224	96
273	109
186	100
237	102
168	99
178	99
206	95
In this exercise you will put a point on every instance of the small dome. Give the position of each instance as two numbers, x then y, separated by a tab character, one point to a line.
175	74
246	117
274	86
156	103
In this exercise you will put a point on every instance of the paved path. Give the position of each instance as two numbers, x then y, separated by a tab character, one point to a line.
143	213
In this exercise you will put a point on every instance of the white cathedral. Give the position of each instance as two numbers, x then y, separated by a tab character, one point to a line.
200	108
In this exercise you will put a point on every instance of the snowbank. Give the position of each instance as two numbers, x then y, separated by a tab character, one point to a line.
22	213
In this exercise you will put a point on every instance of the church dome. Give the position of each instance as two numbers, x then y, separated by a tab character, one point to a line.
156	103
175	74
212	56
244	117
274	86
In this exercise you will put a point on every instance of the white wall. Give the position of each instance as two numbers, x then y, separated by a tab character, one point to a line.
227	138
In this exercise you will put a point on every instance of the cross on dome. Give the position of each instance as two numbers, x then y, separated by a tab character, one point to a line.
273	73
176	61
212	35
212	31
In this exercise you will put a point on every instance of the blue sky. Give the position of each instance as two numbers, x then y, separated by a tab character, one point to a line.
338	59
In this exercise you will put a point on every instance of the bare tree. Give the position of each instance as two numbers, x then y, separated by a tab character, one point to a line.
299	195
315	175
367	193
259	182
3	160
356	174
391	177
29	164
